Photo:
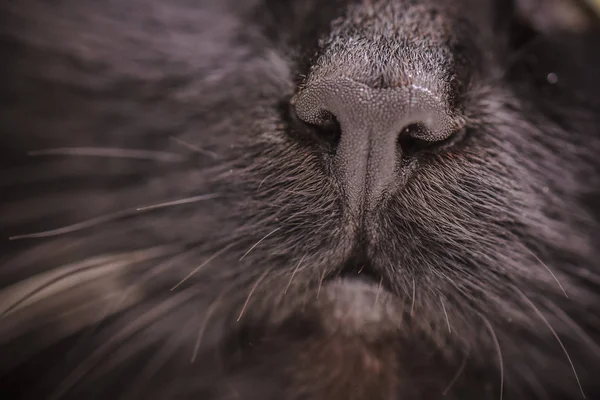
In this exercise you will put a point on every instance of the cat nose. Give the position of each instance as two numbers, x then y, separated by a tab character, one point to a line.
378	128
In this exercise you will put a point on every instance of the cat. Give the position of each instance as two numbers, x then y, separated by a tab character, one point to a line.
299	199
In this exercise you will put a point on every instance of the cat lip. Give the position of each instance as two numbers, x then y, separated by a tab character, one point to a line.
359	269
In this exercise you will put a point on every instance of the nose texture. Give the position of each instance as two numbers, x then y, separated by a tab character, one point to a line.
371	121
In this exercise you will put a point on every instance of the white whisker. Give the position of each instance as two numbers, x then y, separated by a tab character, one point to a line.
110	217
259	242
258	281
320	284
456	376
77	226
110	153
188	200
499	351
261	182
549	270
378	290
293	274
195	148
446	314
543	318
213	307
414	295
205	263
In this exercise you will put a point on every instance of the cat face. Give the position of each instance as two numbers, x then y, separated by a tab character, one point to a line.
364	200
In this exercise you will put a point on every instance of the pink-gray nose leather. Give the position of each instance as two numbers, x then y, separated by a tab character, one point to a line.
371	121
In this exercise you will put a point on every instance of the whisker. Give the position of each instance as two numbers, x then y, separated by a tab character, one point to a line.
446	314
320	284
414	295
110	152
206	262
188	200
77	226
261	182
258	281
259	242
548	269
543	318
499	351
305	299
213	307
457	375
293	273
110	217
195	148
379	290
160	268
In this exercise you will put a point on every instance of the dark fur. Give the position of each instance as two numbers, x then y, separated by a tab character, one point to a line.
296	298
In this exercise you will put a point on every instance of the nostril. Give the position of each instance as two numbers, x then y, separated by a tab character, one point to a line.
410	141
328	129
325	129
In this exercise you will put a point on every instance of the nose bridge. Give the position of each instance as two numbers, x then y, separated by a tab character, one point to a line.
366	159
370	121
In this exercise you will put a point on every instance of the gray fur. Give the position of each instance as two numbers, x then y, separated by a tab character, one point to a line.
179	233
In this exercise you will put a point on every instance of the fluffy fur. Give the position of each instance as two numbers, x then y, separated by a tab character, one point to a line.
177	232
